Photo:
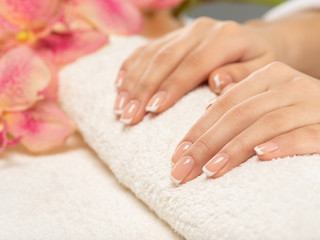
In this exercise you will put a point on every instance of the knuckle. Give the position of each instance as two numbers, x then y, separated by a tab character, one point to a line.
202	21
202	146
239	114
229	27
238	144
129	81
162	56
195	60
143	88
305	83
275	122
275	66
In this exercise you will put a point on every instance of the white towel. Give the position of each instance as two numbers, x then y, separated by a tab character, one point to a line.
70	194
279	199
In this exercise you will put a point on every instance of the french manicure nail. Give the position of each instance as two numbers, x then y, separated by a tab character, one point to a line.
267	147
120	78
120	102
181	149
215	164
221	80
212	102
156	101
182	169
129	112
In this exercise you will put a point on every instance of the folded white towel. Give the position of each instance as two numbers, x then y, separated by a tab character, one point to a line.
70	194
279	199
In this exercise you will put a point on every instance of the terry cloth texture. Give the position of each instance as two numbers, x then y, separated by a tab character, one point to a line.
278	199
70	194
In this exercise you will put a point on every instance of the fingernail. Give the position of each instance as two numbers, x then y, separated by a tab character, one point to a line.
215	164
211	103
129	111
120	102
221	80
156	101
120	78
182	169
267	147
181	149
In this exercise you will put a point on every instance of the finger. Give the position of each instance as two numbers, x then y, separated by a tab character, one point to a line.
196	67
161	65
131	70
127	64
227	88
305	140
257	83
273	124
227	129
234	72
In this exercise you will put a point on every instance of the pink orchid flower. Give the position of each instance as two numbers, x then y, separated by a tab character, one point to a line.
37	37
65	28
156	4
38	123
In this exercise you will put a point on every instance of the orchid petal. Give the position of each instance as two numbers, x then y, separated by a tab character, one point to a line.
51	91
41	128
31	12
6	28
3	135
64	48
22	75
156	4
111	16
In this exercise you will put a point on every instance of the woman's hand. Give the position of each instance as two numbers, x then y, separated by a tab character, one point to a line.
160	73
275	112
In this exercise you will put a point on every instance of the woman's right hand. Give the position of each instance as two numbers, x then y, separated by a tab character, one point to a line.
161	72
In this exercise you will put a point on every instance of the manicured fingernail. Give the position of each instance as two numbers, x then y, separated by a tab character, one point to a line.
120	78
267	147
182	169
215	164
156	101
181	149
129	111
212	102
121	102
221	80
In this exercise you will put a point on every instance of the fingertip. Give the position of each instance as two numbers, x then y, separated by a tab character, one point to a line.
219	80
156	102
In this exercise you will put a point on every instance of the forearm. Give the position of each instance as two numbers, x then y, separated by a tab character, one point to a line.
297	38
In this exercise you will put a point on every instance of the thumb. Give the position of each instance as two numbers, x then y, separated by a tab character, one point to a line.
232	73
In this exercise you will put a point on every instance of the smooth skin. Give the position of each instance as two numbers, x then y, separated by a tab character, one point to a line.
275	112
158	74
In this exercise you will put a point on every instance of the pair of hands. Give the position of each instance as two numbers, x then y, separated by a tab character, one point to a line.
273	112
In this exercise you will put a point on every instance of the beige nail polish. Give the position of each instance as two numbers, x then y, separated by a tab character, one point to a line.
211	103
120	102
221	80
182	169
215	164
130	111
156	101
265	148
181	149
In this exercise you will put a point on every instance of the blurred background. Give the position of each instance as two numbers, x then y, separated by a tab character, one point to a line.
229	11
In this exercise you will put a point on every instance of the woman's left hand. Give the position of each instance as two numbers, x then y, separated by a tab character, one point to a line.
275	112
